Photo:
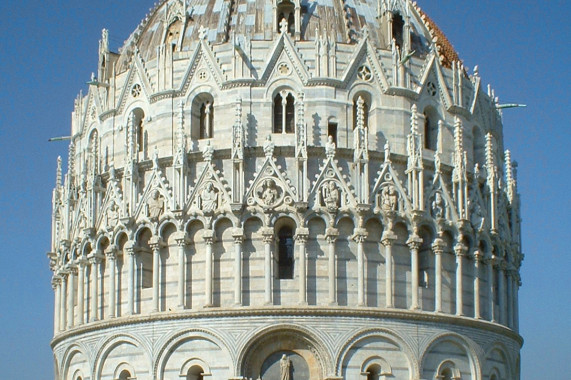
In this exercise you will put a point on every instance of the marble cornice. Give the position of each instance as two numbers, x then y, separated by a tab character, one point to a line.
303	311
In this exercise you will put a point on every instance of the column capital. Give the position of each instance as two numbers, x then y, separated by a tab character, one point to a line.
208	236
460	250
111	252
478	256
438	246
56	280
238	235
388	238
360	235
268	235
301	234
414	242
181	238
156	243
331	234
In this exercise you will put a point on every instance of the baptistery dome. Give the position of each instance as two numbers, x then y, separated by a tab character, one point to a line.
294	190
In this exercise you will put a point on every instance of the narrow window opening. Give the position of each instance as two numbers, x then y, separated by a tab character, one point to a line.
446	374
285	253
290	114
398	27
430	129
278	114
206	120
125	375
332	131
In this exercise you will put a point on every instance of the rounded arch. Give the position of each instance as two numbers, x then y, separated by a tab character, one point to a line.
78	375
222	218
166	225
124	371
317	214
102	242
272	339
381	365
470	350
284	219
497	357
342	216
370	94
175	340
381	333
136	106
281	84
111	343
202	115
69	355
195	366
120	237
142	231
86	247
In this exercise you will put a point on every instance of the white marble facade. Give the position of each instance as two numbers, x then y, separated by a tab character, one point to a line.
250	179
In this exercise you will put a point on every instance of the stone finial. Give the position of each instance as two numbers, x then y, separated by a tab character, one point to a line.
104	43
414	119
490	158
71	159
58	172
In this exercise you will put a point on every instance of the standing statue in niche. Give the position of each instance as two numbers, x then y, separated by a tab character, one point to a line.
155	205
389	198
208	198
438	206
285	368
269	147
330	196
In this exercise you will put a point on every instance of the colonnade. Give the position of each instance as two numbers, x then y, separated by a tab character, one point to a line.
72	308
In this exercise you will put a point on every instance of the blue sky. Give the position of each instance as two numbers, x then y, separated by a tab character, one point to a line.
49	49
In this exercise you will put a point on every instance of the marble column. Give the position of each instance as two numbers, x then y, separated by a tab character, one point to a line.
268	238
63	301
130	251
56	282
111	260
208	268
359	236
510	322
181	241
438	248
502	291
331	236
238	235
460	251
491	288
414	243
387	240
71	297
81	291
155	245
301	237
94	308
477	260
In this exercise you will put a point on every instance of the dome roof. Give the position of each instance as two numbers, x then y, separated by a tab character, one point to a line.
182	22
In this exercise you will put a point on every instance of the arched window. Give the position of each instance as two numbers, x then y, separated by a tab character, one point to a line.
493	377
202	117
195	373
93	152
332	129
125	375
137	120
173	34
284	113
373	372
361	101
398	30
446	374
285	253
430	128
285	11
